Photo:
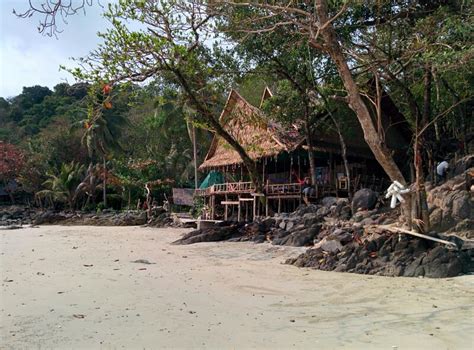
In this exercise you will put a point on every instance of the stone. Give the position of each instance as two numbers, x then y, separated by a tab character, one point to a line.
310	219
367	222
323	211
212	234
411	269
462	206
435	253
454	268
436	217
436	270
331	246
268	223
364	199
48	217
298	238
329	201
341	236
289	225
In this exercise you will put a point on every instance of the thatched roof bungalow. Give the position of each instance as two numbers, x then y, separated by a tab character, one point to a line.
260	137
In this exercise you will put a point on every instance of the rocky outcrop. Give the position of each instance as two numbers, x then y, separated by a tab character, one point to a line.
16	215
452	206
386	255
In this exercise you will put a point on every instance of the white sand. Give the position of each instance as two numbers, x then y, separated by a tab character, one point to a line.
209	295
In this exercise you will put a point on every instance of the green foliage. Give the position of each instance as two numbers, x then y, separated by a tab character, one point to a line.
62	187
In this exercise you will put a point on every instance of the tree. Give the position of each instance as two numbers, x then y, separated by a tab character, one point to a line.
63	186
103	128
349	34
50	10
172	45
11	163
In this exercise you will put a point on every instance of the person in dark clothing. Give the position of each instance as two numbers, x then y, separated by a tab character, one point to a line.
307	189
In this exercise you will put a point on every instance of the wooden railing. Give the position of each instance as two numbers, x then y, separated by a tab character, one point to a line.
248	187
289	188
283	189
228	187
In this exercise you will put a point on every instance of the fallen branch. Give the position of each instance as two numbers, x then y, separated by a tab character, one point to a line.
416	234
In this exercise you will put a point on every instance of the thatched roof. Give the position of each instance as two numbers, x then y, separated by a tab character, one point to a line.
257	135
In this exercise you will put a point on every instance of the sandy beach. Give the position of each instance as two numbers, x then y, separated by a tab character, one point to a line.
78	288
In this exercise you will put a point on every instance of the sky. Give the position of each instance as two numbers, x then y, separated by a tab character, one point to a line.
28	58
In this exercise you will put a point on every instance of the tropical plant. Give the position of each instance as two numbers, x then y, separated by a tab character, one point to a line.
63	187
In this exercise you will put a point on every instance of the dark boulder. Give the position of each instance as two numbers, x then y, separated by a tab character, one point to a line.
212	234
364	199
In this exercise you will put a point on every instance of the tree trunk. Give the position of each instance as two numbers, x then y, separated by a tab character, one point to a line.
422	214
209	117
343	154
196	184
104	186
309	141
376	144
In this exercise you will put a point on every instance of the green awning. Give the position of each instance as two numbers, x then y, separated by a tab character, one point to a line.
214	177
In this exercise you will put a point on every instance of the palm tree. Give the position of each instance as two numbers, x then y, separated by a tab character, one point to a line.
63	187
103	128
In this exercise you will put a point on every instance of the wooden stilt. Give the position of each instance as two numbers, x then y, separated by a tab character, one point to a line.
213	206
266	206
279	205
238	211
225	209
254	208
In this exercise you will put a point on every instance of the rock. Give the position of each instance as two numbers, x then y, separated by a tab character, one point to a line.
462	206
436	217
463	164
48	217
298	238
435	253
310	219
341	236
331	246
411	269
364	199
454	268
289	225
367	222
329	201
268	223
323	211
212	234
282	225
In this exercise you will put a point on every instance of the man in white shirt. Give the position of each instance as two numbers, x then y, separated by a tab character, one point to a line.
442	171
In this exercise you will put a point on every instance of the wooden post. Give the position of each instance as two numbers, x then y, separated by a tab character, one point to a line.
279	205
213	201
238	210
266	206
195	159
225	209
254	208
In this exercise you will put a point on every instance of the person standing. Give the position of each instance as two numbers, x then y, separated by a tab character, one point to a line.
442	171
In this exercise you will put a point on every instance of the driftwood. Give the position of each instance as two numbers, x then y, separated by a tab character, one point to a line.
416	234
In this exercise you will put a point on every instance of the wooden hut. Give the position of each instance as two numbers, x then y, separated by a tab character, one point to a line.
282	158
